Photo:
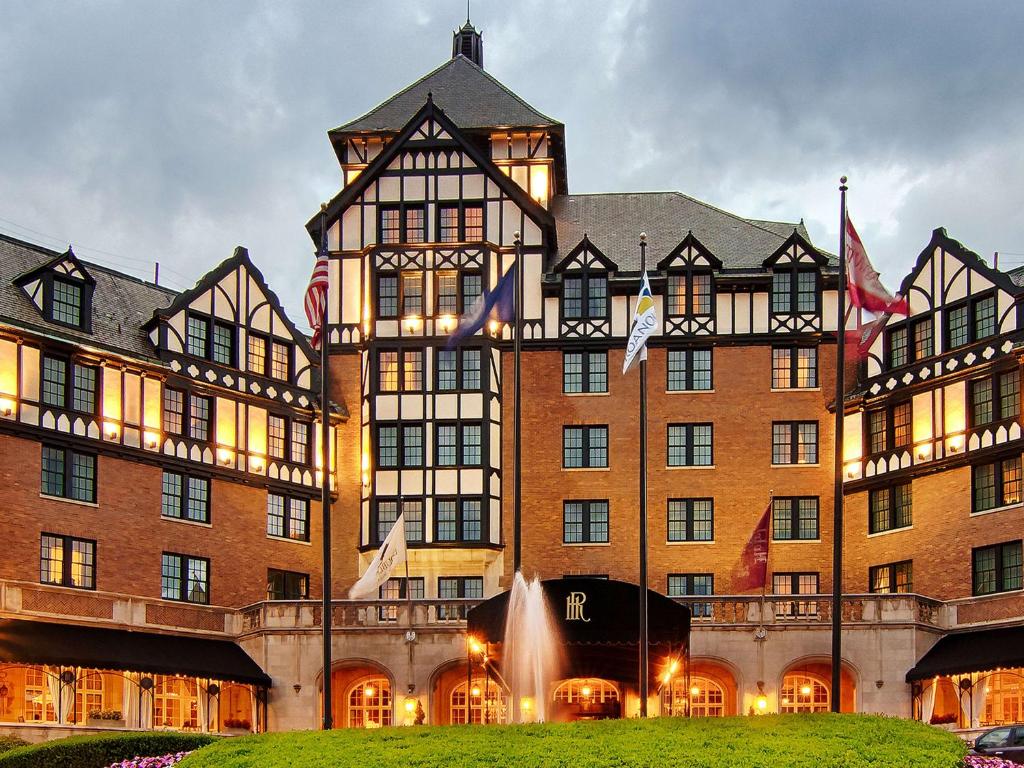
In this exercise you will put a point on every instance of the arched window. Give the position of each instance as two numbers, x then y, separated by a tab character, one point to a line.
1004	698
803	693
88	695
487	702
369	703
175	702
586	689
706	697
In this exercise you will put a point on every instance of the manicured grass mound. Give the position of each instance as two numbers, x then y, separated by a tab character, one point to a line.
776	741
101	750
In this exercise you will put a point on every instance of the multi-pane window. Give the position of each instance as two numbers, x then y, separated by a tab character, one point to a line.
472	222
689	293
795	584
689	445
683	584
68	474
448	224
79	391
400	370
889	428
794	367
387	446
795	518
996	485
902	425
890	508
174	411
199	417
971	321
458	520
472	289
55	381
585	296
412	292
878	430
585	522
891	578
398	589
446	284
287	517
223	348
412	370
401	224
794	442
584	372
897	348
67	561
300	441
83	388
280	361
584	447
399	445
387	295
458	369
388	372
197	335
994	398
256	354
412	445
67	302
794	291
453	588
691	519
688	370
924	338
997	568
277	430
458	445
460	224
185	498
287	585
184	577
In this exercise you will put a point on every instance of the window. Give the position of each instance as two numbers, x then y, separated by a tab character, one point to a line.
897	347
456	587
689	445
287	585
300	441
387	514
185	498
401	224
691	519
458	369
585	296
412	510
584	372
412	445
889	508
889	428
281	361
794	367
803	693
688	370
996	485
794	442
174	411
67	302
223	350
287	517
68	474
878	430
83	388
794	291
67	561
458	445
891	578
458	520
585	522
55	381
395	589
795	518
184	577
997	568
197	335
683	584
276	431
79	391
472	289
387	446
994	398
412	293
971	321
689	293
412	370
387	295
796	584
461	223
584	447
924	338
199	417
457	292
256	358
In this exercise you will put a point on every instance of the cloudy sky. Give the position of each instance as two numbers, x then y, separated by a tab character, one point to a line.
171	131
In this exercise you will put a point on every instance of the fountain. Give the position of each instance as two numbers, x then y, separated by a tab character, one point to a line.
531	651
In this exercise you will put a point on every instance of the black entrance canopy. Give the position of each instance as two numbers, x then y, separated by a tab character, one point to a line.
599	621
975	651
37	642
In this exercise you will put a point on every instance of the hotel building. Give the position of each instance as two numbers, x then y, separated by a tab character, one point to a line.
161	471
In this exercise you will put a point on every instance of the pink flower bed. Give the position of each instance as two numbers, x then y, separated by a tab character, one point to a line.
152	762
980	761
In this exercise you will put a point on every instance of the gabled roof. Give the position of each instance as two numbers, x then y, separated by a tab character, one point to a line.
121	305
614	221
469	96
795	238
1008	281
690	241
68	255
590	248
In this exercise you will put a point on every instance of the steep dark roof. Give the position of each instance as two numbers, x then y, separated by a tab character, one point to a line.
467	94
613	222
122	305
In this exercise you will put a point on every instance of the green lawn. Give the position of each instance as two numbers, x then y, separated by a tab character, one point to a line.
775	741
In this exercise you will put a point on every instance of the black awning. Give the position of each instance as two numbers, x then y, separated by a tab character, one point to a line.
592	611
975	651
37	642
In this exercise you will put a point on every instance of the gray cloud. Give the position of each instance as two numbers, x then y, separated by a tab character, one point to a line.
172	132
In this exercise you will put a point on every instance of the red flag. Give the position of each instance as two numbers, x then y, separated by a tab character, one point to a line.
316	292
752	570
866	290
860	339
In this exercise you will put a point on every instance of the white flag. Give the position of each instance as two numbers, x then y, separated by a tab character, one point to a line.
645	319
390	554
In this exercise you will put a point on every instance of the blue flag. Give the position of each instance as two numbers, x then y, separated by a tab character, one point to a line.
499	304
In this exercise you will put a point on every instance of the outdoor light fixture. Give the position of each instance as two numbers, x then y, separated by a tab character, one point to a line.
695	691
494	327
955	443
256	463
410	704
762	700
474	646
924	450
585	691
475	691
446	322
152	439
805	690
110	430
297	687
369	691
6	406
852	468
225	457
412	322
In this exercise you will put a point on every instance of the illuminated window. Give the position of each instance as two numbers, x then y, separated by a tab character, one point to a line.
795	584
89	696
39	706
703	696
589	689
175	702
67	561
460	222
256	361
369	703
1004	698
689	294
802	693
281	361
891	578
488	703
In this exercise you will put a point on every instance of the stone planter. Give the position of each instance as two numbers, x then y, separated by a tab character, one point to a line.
95	722
235	731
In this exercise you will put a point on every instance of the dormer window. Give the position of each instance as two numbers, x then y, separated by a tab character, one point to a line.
210	341
794	292
67	302
689	293
585	296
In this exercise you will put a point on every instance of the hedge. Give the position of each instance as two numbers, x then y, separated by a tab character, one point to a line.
10	742
101	750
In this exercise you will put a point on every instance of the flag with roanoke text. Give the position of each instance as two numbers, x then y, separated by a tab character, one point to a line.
752	570
645	320
315	302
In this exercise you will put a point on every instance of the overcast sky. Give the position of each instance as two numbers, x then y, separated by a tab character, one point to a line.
172	131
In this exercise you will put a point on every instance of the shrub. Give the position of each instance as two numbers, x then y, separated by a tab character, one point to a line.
105	714
10	742
943	719
101	751
983	761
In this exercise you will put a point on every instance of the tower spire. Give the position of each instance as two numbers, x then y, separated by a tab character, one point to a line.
468	42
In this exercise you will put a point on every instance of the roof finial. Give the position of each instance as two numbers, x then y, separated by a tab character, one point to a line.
467	11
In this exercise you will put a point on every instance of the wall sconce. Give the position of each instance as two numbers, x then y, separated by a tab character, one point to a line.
412	322
955	444
410	704
225	457
694	692
852	469
446	323
494	327
297	687
6	406
924	450
761	701
110	430
152	439
366	470
256	463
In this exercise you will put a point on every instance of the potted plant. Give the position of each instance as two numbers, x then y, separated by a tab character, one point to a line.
105	718
946	722
236	726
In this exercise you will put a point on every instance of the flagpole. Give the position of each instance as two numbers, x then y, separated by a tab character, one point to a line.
325	495
517	418
837	515
643	504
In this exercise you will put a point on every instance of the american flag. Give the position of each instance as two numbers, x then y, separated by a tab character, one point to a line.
316	291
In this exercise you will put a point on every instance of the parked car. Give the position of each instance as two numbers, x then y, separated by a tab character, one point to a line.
1006	742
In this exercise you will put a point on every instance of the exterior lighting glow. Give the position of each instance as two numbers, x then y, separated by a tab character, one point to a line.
673	667
152	439
695	691
762	703
369	691
475	691
585	691
6	406
224	456
256	463
526	703
666	677
494	326
805	690
852	469
446	322
110	429
475	646
412	322
924	450
956	443
410	704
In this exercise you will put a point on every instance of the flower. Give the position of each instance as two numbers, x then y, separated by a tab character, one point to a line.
163	761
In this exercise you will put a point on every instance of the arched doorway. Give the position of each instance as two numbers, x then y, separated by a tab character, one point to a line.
362	695
488	703
807	687
704	697
585	698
